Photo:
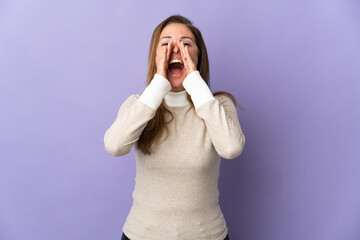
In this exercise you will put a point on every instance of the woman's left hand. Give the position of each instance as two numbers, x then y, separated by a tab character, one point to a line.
188	63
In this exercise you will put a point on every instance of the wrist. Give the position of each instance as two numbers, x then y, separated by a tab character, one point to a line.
191	71
162	73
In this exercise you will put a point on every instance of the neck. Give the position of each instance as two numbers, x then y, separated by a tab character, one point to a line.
176	98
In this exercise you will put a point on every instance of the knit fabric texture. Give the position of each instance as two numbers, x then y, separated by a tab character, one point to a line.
176	187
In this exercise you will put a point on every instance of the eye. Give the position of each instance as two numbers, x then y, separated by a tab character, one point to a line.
187	44
164	44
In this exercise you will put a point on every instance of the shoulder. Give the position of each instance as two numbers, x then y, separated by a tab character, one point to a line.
130	100
224	99
133	97
226	102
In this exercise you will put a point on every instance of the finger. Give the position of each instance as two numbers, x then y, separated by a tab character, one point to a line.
187	55
186	65
187	58
163	66
164	53
163	60
181	46
170	47
182	52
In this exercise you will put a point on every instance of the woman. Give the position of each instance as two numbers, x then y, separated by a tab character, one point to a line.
180	130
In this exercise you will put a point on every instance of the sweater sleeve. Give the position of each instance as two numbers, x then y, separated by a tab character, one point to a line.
220	116
133	116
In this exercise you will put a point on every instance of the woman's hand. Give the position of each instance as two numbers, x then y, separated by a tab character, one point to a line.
162	59
188	62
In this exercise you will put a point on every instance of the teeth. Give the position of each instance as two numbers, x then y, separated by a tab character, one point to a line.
176	61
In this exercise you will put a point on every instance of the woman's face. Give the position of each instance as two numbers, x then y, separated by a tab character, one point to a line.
174	32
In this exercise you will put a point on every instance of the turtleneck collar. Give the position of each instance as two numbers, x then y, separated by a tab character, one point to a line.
176	98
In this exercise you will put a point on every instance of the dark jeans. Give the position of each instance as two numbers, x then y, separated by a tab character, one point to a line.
124	237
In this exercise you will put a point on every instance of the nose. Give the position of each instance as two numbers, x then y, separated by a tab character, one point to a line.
176	48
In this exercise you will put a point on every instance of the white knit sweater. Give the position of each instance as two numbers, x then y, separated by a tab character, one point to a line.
176	187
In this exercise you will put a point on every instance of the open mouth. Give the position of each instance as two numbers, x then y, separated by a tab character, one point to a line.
176	67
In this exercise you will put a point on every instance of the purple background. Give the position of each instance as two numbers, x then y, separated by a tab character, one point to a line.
67	66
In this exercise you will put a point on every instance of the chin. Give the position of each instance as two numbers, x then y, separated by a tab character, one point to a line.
176	84
176	80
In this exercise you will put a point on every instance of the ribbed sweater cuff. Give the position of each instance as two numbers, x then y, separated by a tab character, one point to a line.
197	88
155	92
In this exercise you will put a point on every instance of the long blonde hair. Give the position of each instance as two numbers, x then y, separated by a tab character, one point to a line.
157	125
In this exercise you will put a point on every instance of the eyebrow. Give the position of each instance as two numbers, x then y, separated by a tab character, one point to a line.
180	37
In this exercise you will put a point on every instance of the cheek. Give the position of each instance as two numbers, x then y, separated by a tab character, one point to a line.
194	56
158	52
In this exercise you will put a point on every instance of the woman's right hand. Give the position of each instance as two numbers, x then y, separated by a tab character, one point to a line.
162	58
